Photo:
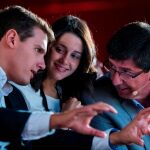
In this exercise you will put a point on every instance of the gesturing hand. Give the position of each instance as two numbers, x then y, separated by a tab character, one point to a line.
134	131
80	118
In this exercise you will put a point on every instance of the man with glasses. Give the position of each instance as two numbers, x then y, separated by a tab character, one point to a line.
128	67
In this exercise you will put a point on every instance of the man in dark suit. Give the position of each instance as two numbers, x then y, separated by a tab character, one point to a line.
23	44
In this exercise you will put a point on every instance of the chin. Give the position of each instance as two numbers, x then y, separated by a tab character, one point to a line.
23	81
128	97
125	95
59	77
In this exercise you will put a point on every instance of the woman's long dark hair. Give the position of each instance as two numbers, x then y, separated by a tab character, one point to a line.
77	26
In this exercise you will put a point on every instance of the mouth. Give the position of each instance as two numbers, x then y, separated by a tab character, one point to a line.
122	89
61	68
33	73
125	89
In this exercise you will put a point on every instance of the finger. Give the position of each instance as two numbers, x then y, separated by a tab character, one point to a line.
78	103
101	107
145	128
148	128
96	132
138	137
139	141
87	112
98	108
144	111
75	104
73	99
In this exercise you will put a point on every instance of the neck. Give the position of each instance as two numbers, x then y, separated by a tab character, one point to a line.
49	88
145	101
144	96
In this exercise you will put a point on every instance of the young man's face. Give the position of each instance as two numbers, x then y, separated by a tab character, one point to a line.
28	57
128	78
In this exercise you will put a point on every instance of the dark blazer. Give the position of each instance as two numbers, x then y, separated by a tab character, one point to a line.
12	123
103	90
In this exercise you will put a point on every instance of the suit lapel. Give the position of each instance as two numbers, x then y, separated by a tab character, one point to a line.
15	100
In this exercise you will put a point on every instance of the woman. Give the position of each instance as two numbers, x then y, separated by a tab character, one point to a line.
70	56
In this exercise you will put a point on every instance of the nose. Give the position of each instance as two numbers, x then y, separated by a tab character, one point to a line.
64	59
41	65
116	80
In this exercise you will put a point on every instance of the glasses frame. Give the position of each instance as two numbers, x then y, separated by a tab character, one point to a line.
108	68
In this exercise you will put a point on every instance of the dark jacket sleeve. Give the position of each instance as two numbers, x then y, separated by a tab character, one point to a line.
12	124
64	140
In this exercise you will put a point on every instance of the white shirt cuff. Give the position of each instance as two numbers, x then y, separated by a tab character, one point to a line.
37	126
101	143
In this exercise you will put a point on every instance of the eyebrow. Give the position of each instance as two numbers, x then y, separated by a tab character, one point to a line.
64	46
122	68
40	47
80	53
125	68
44	50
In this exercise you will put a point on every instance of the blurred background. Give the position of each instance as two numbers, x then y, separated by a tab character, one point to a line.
104	17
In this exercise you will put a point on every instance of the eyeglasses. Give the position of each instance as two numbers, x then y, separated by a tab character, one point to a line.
124	74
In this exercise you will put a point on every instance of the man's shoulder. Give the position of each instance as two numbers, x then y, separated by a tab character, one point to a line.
104	86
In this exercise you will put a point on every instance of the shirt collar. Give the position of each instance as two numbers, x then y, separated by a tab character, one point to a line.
138	104
5	87
3	78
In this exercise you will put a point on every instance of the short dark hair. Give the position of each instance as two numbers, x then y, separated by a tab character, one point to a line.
23	21
132	42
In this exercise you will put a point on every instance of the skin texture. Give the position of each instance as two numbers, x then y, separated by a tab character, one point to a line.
71	103
80	118
134	131
126	87
24	58
65	56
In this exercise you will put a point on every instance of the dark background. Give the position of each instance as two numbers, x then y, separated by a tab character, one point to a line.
104	17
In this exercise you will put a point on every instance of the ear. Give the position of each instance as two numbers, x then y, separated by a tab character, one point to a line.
12	38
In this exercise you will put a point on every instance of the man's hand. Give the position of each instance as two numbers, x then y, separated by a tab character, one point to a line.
71	104
80	118
134	131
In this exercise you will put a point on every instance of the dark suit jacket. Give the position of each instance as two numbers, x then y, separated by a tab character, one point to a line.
12	124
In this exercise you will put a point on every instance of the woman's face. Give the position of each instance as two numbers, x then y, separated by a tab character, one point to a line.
65	56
